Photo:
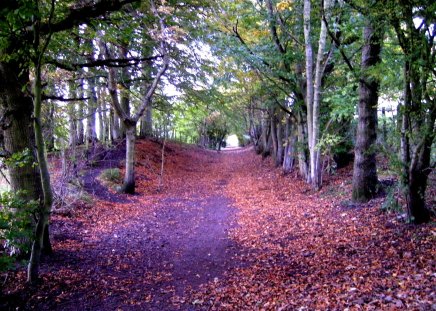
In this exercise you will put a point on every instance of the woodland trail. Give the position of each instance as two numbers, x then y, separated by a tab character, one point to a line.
229	233
147	251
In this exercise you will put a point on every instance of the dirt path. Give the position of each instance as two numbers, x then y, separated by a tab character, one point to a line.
142	252
152	262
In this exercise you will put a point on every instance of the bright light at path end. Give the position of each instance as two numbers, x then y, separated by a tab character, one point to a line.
232	141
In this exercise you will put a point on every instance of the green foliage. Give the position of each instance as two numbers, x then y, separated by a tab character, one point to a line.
391	205
216	128
15	226
342	102
20	159
112	175
328	142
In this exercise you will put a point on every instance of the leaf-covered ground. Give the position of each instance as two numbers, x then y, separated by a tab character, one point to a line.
229	232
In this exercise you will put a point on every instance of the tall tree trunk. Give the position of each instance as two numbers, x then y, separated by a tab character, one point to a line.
101	113
404	142
415	160
72	136
129	176
72	124
91	132
309	78
125	90
146	129
290	140
49	126
365	165
114	125
273	126
265	135
418	177
384	129
303	163
44	211
279	133
18	133
314	89
80	115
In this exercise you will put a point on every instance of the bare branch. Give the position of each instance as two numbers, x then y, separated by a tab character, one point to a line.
110	62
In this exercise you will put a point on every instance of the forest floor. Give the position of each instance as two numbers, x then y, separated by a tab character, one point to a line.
228	232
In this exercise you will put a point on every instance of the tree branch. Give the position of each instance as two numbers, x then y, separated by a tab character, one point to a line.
273	28
63	99
264	62
110	62
338	44
84	14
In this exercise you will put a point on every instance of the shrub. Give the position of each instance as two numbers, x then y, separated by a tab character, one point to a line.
112	175
15	226
391	202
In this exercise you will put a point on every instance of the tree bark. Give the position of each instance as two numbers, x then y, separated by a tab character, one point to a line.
279	133
18	133
416	162
72	124
265	134
44	211
91	132
114	125
125	90
80	115
101	113
314	89
49	126
309	78
365	165
129	177
303	163
290	140
146	129
273	131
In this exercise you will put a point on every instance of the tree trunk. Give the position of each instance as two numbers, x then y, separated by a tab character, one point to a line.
279	132
91	132
80	115
114	125
303	163
265	135
314	89
365	165
418	177
49	126
129	177
18	133
416	167
72	124
309	79
44	211
146	129
273	134
125	91
384	129
290	140
101	113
